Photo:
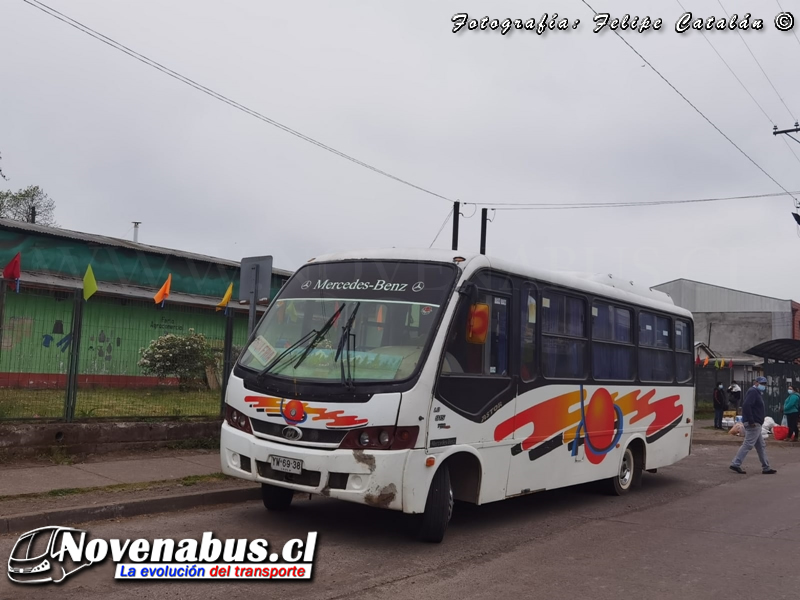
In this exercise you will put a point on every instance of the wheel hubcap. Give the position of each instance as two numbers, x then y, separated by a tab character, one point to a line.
625	472
450	503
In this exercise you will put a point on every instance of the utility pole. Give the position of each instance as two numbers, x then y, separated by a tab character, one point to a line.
456	206
136	230
795	129
484	211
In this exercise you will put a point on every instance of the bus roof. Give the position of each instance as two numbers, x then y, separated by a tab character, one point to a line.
595	283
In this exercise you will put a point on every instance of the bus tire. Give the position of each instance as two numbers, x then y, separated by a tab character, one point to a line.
276	498
438	507
622	482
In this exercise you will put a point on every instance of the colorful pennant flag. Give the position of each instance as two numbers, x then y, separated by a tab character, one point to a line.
225	299
163	293
697	360
705	362
722	364
13	269
730	364
89	283
716	363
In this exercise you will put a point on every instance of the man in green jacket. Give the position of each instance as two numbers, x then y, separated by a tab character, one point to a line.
791	408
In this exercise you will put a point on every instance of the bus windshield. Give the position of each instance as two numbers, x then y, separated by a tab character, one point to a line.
351	322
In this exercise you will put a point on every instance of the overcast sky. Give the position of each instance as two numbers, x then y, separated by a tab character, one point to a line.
477	116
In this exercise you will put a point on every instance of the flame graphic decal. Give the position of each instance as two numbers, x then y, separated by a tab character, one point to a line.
554	423
338	418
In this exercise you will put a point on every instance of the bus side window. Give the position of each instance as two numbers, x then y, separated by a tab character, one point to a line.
489	358
528	334
564	339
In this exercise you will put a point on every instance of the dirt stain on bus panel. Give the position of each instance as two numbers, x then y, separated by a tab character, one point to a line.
384	498
365	459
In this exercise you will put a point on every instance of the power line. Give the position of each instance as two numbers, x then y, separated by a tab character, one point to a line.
772	122
657	72
141	58
581	205
646	203
793	31
746	45
450	214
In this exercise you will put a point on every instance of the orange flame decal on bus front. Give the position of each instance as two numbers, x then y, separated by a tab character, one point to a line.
337	418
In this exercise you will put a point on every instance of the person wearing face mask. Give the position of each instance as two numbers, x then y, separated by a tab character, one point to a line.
791	408
753	418
719	405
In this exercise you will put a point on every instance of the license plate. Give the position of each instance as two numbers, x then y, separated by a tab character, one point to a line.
287	465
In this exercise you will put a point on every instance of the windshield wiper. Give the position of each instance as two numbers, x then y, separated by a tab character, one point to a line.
320	335
283	354
344	342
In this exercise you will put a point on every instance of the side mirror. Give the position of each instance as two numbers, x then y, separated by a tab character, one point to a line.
470	290
478	324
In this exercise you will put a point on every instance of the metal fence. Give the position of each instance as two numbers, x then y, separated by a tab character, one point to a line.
63	358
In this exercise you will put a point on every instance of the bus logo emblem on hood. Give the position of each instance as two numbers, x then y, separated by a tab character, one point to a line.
292	433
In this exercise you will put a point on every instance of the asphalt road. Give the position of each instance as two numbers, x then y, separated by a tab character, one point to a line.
694	530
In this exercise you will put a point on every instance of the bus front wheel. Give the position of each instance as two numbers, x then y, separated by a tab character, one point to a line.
276	498
438	507
622	482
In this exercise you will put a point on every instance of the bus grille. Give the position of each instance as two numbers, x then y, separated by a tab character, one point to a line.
318	436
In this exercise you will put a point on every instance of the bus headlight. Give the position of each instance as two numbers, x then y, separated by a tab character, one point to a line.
381	438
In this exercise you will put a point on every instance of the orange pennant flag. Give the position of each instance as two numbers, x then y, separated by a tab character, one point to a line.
705	362
163	293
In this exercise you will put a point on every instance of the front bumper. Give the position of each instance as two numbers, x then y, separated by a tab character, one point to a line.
373	478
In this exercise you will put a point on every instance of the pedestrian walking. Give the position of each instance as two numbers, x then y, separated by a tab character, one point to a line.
753	418
791	409
720	403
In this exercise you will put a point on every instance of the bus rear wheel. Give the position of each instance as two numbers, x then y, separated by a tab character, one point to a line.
438	507
623	481
276	498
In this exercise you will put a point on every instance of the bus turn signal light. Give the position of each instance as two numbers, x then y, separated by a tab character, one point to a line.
381	438
430	461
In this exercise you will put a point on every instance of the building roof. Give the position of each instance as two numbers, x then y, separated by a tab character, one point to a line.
700	297
787	350
721	287
120	243
132	292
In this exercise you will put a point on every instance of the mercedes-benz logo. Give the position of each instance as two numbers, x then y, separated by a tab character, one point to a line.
306	285
417	287
292	433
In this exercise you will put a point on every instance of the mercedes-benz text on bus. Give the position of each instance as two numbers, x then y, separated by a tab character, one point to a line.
407	379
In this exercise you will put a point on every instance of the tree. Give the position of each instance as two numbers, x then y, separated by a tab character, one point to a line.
19	206
2	175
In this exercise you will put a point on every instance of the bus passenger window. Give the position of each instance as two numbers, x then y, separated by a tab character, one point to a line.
489	358
563	336
528	336
655	348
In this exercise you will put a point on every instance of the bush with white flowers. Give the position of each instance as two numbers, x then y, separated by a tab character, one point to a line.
183	356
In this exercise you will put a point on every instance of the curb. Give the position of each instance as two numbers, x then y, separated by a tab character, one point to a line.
161	504
737	441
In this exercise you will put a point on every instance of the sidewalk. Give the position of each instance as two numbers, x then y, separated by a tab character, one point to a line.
36	479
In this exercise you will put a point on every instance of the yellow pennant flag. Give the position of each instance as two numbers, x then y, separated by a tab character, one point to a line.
89	283
164	291
226	298
722	364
